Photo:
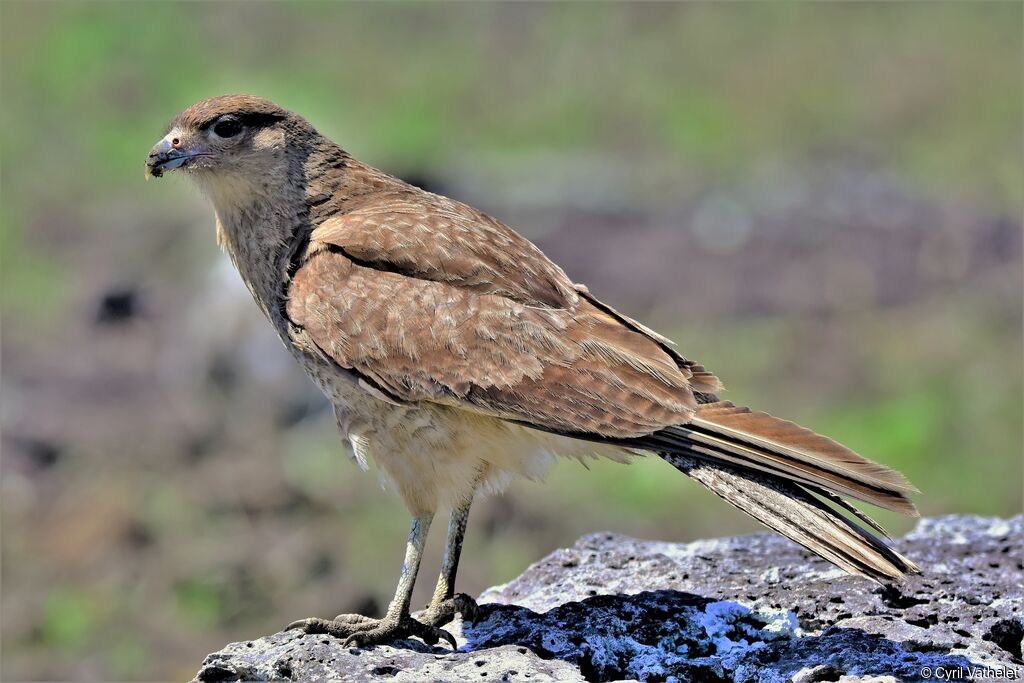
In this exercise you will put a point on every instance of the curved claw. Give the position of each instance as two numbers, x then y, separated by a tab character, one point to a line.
430	634
448	638
302	624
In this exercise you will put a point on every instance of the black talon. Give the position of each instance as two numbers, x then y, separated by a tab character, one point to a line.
450	639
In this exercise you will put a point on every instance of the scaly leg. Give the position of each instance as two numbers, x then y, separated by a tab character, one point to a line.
358	630
446	602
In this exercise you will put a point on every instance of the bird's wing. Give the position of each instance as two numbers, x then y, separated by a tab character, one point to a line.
430	237
571	370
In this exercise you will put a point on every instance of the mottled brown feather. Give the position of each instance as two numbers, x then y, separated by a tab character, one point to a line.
431	237
701	380
572	370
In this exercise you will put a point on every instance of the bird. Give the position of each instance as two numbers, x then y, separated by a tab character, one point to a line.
457	357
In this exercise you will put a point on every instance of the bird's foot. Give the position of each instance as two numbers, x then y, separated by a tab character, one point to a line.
360	631
443	612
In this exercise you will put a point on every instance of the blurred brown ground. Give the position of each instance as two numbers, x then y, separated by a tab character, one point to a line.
836	189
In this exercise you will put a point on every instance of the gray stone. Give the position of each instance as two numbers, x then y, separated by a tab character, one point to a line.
750	608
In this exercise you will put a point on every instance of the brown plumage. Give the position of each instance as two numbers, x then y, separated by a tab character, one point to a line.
455	353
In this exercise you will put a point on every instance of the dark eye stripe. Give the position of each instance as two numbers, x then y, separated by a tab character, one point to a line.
247	119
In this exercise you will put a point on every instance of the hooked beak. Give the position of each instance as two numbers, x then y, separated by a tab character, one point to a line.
169	154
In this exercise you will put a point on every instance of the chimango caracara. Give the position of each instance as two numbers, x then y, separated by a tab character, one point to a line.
456	354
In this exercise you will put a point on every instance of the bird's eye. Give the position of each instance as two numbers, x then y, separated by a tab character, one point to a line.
227	128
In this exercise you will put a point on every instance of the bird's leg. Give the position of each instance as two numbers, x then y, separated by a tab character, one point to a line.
446	602
358	630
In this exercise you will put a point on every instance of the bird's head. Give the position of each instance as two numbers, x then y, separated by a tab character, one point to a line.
228	143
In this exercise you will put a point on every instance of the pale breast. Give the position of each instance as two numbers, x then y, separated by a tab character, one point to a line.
438	456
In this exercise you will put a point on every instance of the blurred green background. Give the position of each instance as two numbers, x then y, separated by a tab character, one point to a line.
821	202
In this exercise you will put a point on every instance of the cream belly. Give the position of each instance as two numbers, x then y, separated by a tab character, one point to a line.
437	456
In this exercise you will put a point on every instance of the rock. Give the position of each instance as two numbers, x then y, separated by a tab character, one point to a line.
749	608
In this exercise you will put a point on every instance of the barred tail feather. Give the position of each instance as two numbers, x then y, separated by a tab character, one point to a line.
791	479
791	510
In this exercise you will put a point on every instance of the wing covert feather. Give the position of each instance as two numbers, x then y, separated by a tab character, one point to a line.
435	238
571	370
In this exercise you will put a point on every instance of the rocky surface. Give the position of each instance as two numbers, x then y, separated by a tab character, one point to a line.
750	608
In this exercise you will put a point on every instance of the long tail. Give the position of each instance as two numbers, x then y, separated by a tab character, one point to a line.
789	479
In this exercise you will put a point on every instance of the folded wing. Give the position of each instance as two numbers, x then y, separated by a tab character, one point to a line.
567	370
